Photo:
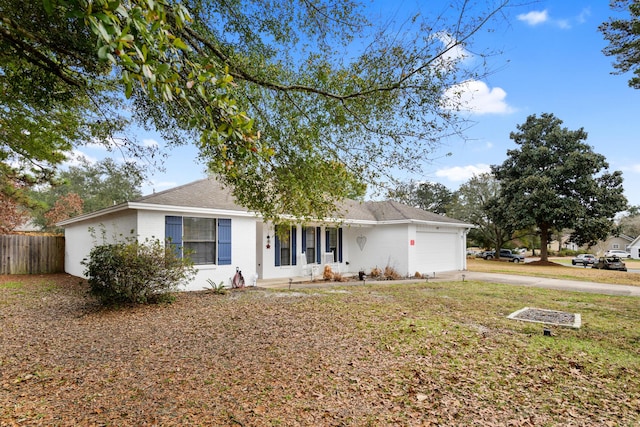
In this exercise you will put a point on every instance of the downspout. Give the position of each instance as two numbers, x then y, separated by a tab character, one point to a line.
464	247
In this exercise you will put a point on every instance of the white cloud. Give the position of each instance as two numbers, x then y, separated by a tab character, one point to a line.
534	18
154	186
584	14
150	142
76	158
542	17
453	52
456	51
463	173
476	97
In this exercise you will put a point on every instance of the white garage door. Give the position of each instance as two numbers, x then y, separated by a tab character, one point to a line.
436	252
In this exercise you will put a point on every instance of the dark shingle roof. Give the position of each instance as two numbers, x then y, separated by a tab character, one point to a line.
395	211
210	194
205	193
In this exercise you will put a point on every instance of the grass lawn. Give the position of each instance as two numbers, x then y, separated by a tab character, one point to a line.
381	355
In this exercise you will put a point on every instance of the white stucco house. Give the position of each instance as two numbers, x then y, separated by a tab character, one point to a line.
203	218
634	247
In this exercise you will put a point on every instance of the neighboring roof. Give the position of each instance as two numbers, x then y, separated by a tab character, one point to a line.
210	194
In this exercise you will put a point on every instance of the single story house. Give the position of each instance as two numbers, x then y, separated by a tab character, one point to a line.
621	242
634	248
221	236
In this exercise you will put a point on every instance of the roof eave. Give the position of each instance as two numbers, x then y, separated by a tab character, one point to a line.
106	211
152	207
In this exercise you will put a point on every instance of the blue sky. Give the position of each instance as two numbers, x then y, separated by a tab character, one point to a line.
551	62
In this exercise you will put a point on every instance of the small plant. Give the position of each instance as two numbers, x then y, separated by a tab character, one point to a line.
376	272
417	275
327	274
337	277
390	273
218	289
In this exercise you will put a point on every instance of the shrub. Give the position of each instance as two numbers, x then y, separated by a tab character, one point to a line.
390	273
568	252
376	272
327	274
338	277
135	272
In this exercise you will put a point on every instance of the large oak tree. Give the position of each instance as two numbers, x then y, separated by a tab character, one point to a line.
554	180
623	35
293	103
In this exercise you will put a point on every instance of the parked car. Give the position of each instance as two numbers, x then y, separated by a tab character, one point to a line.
584	259
485	254
610	263
617	252
505	254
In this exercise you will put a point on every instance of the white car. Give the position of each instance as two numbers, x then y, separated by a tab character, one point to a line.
618	253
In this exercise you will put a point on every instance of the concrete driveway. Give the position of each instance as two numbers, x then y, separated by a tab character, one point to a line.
542	282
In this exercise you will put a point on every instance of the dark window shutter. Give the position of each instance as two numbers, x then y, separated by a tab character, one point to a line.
339	244
224	241
294	230
304	239
277	248
318	246
327	245
173	233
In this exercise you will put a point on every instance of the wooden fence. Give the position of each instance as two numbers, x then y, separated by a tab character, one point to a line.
22	254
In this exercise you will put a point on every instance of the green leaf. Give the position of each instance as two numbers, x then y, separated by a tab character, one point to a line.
128	89
48	6
163	68
180	44
146	71
103	51
102	31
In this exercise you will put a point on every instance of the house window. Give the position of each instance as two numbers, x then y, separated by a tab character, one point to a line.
199	239
615	246
310	244
285	245
333	243
203	240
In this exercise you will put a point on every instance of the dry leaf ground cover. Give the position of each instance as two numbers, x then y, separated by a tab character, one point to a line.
403	355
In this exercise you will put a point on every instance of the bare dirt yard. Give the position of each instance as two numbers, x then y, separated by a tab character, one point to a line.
382	355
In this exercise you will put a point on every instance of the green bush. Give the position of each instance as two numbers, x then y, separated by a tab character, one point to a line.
135	272
568	252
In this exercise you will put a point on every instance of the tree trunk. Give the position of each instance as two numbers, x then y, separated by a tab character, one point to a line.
544	242
499	241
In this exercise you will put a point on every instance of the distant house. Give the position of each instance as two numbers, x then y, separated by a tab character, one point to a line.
564	242
634	247
621	242
203	218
